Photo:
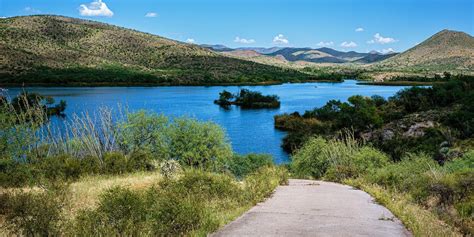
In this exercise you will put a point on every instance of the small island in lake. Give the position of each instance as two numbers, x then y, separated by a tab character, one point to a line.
248	99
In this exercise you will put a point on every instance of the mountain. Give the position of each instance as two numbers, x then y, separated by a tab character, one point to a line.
349	56
261	50
243	53
56	50
216	47
446	50
373	57
307	54
320	55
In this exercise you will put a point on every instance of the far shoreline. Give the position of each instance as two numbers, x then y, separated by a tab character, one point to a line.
107	84
267	83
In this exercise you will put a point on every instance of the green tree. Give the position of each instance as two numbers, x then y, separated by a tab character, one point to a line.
199	144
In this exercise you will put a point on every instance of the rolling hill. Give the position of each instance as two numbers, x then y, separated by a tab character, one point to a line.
56	50
307	54
446	50
320	55
374	57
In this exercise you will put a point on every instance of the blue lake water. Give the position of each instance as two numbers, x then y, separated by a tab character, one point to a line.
249	131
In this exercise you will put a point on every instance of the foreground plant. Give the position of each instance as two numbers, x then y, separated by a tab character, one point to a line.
434	193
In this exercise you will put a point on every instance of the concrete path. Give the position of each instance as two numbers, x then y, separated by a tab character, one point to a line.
316	208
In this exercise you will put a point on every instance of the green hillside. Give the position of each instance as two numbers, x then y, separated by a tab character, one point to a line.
446	50
56	50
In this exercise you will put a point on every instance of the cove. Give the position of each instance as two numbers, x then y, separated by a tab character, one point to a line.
249	130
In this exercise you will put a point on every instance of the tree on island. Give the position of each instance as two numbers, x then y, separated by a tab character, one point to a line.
247	99
26	101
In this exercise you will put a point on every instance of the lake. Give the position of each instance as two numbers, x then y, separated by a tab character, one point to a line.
249	131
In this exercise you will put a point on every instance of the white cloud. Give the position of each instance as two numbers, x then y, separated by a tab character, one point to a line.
3	17
95	8
325	44
151	14
31	10
280	39
360	29
381	40
348	44
244	41
190	41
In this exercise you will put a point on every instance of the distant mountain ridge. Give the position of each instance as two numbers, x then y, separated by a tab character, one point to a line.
307	54
375	57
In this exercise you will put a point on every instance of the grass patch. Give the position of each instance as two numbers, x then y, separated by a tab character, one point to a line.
191	202
85	192
419	221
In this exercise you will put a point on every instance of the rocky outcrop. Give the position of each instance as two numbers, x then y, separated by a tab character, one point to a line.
411	126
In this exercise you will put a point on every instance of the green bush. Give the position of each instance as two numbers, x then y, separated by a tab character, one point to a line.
199	145
409	175
177	214
307	162
140	160
369	159
203	185
263	182
336	159
241	166
465	163
453	188
14	174
115	163
60	167
120	212
91	165
144	132
33	213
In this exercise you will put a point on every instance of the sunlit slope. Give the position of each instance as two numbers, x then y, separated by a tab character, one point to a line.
62	50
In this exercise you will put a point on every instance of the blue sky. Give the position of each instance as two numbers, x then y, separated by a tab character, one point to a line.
361	25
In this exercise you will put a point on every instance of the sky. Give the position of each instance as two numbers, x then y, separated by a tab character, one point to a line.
359	25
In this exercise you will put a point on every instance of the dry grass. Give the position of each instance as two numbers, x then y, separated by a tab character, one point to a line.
419	221
85	192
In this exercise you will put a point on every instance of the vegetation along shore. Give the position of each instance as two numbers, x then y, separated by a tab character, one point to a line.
118	171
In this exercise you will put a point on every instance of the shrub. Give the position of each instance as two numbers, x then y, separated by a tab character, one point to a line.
307	162
240	166
465	163
145	132
140	160
409	175
115	163
34	213
91	165
261	183
14	174
61	167
179	206
203	185
336	159
120	212
453	187
199	145
369	159
174	214
169	168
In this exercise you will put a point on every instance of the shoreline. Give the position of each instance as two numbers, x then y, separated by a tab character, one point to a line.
399	83
107	84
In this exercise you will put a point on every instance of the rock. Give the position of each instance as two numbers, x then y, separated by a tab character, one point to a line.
418	129
387	135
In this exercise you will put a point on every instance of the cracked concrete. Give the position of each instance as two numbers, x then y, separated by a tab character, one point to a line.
316	208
